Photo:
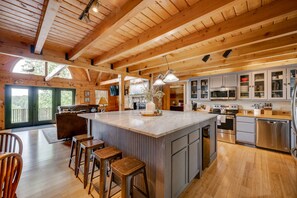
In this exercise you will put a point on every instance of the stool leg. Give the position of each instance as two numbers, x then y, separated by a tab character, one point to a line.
145	182
86	167
131	187
102	178
77	148
92	174
79	161
109	187
71	154
125	187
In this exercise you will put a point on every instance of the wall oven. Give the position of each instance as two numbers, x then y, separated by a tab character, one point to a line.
223	93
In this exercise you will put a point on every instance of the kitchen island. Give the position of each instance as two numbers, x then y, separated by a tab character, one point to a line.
170	144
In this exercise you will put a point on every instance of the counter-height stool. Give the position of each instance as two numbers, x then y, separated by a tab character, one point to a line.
105	157
126	169
75	144
87	147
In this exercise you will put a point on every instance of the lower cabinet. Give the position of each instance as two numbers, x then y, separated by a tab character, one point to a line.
179	168
246	130
186	161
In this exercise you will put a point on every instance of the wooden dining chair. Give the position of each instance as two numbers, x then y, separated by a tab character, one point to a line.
11	143
11	165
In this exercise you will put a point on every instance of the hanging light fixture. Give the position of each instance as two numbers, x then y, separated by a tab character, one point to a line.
159	81
96	6
169	76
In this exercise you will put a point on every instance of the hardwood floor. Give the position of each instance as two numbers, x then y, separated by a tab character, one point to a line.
239	171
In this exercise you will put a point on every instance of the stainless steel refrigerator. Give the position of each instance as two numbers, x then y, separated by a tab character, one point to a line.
293	92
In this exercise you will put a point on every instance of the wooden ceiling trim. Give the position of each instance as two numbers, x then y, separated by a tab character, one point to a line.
112	22
178	22
25	6
169	7
158	10
68	28
65	12
21	49
12	21
8	11
267	33
51	10
269	12
196	66
18	28
13	18
63	17
15	9
60	22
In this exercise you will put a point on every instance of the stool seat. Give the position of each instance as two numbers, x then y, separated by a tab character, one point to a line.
90	144
107	152
127	166
82	137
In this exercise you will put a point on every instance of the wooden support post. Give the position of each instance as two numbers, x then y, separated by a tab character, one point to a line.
122	92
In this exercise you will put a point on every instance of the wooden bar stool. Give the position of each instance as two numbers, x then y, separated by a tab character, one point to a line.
75	144
104	156
88	147
126	169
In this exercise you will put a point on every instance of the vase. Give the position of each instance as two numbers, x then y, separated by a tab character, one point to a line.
150	107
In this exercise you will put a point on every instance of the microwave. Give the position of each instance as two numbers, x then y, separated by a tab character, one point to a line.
226	93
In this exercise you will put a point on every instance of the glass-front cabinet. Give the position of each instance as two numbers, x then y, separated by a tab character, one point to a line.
244	86
194	89
277	87
291	80
259	85
204	88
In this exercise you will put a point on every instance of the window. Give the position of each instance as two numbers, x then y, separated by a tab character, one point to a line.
36	67
26	66
65	73
101	93
66	97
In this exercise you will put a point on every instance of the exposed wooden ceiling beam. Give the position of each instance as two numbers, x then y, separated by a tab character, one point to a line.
266	33
46	24
267	13
55	72
116	80
99	76
272	47
112	22
199	11
240	68
260	62
20	49
88	75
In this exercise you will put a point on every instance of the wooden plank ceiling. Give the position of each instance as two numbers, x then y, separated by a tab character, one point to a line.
131	37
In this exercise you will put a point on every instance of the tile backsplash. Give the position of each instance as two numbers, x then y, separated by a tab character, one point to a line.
276	105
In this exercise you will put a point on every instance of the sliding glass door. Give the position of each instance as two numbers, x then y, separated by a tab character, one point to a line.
29	106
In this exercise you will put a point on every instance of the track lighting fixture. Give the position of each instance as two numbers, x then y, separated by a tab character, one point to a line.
95	4
206	57
227	53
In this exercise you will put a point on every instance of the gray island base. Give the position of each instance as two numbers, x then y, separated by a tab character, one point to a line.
170	145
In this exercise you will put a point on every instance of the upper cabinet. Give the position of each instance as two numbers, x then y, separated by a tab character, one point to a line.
259	85
291	80
245	86
194	89
277	87
204	88
229	80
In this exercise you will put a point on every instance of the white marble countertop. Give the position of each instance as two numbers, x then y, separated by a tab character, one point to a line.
155	126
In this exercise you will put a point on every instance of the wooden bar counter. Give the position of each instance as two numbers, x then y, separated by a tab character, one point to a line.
170	144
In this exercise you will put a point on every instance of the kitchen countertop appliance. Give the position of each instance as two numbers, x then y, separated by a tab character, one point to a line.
273	134
226	123
294	121
225	93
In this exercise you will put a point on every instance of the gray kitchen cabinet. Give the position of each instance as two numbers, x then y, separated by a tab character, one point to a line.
246	130
194	167
291	80
229	80
180	169
277	87
216	81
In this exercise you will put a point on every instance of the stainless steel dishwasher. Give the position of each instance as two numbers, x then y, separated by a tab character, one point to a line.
273	134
